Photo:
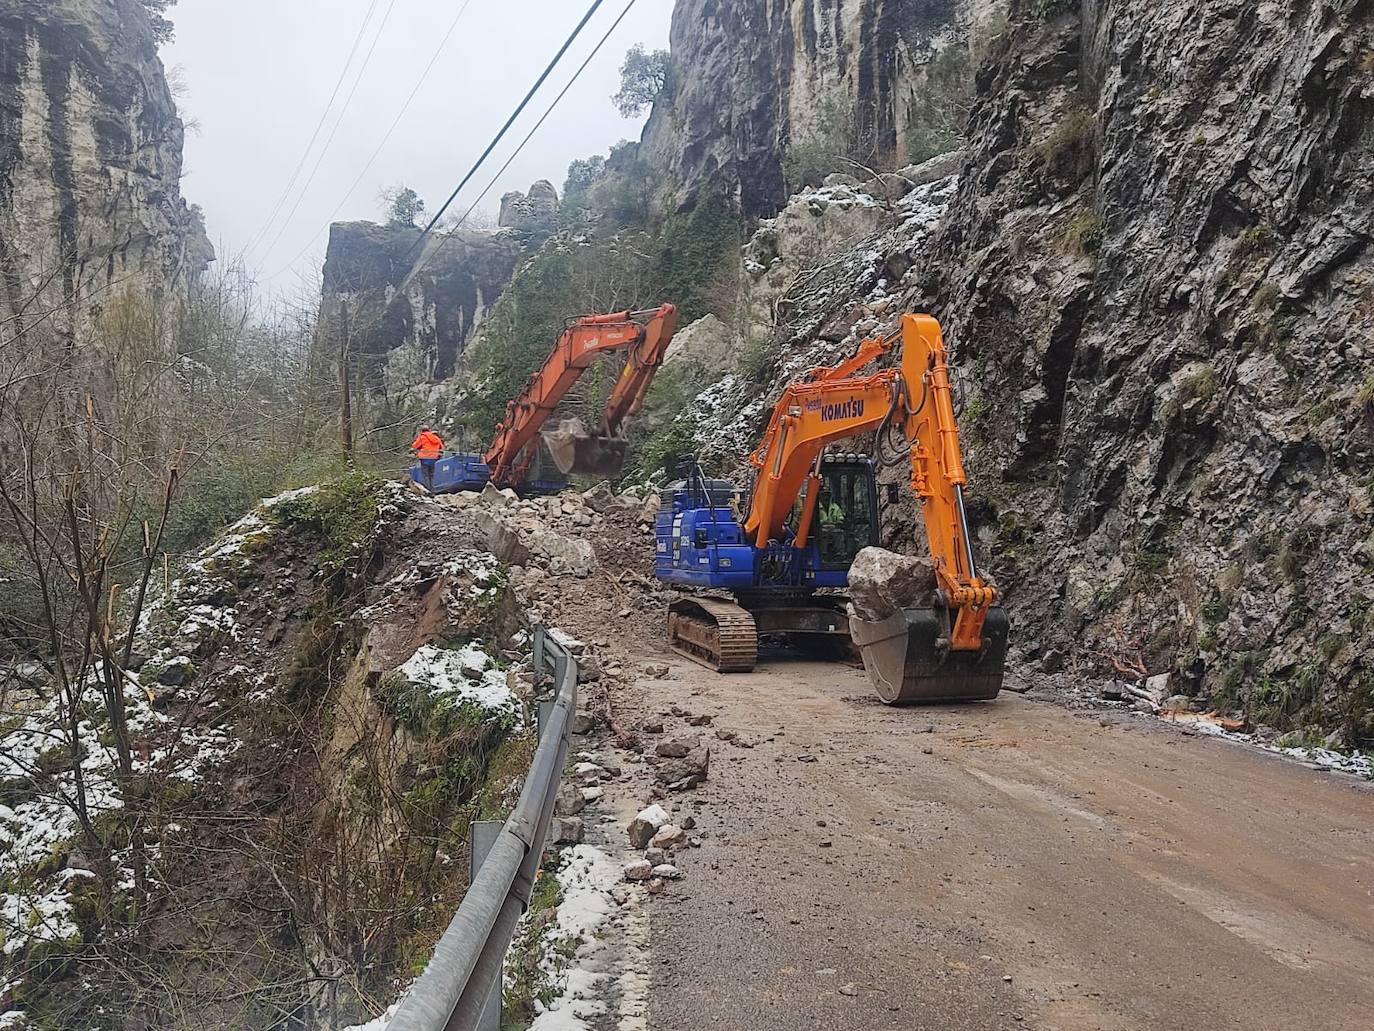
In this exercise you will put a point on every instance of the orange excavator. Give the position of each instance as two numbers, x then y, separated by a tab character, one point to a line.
644	336
809	515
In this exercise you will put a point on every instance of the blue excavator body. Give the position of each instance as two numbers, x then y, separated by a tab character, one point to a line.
459	472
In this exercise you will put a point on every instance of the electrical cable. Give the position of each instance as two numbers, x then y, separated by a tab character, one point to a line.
305	190
425	259
395	123
509	122
266	227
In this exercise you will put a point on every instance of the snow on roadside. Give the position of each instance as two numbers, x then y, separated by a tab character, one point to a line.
1359	764
376	1023
467	675
585	879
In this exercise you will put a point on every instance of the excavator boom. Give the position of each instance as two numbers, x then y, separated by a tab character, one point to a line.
644	335
909	654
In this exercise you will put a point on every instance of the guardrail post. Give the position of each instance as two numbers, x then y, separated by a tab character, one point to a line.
483	835
545	712
537	661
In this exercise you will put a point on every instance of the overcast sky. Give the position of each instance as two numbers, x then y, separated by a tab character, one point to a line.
257	76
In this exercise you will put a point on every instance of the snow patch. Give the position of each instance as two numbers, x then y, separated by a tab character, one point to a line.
290	495
1359	764
467	675
585	879
376	1023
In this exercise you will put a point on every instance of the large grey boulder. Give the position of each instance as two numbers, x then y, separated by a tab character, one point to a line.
882	583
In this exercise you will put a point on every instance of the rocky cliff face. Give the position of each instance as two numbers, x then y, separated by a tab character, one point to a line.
750	76
90	161
417	339
1155	273
1159	277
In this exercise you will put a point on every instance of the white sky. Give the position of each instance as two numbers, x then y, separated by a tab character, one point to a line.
258	74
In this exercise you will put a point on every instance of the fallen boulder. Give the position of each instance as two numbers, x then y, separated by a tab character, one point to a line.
566	830
668	837
883	583
687	772
673	749
646	824
575	555
638	870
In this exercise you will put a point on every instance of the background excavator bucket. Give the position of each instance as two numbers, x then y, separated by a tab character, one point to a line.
907	667
576	450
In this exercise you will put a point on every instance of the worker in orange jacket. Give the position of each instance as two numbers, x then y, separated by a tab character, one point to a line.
428	447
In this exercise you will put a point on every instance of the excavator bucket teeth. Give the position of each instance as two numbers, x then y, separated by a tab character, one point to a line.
575	450
908	665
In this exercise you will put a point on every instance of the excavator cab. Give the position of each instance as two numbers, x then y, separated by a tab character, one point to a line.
846	511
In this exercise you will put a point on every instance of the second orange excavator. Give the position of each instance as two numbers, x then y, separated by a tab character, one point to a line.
643	337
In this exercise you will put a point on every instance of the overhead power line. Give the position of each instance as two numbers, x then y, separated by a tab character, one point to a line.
506	128
266	227
434	252
395	123
319	160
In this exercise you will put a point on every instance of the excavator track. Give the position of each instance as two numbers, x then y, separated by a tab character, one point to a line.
719	635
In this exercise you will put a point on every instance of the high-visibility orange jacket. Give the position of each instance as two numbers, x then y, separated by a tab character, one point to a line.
428	445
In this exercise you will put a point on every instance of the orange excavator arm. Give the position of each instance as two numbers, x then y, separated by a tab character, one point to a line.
644	334
833	404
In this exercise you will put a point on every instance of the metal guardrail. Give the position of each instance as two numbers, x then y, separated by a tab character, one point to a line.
460	989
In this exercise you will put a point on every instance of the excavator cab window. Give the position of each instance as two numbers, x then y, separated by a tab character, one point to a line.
846	513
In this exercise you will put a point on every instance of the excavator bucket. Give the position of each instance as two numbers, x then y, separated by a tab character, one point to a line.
574	449
909	662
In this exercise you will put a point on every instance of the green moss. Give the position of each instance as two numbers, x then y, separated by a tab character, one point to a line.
1266	296
689	253
1364	397
938	108
1296	551
344	511
1071	147
1216	610
1257	238
1085	232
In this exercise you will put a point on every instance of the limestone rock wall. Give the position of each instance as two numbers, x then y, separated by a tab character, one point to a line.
90	162
748	76
415	340
1159	277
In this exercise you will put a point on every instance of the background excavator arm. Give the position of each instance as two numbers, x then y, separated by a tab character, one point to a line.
832	404
645	334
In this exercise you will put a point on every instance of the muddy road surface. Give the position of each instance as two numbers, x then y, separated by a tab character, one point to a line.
1006	865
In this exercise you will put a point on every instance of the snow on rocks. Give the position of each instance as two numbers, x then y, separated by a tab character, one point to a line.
646	824
465	676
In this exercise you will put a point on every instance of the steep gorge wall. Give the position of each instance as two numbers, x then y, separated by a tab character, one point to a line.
1155	274
416	340
1158	276
750	76
90	161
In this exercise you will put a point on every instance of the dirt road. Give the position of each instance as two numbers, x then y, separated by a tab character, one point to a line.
1007	865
